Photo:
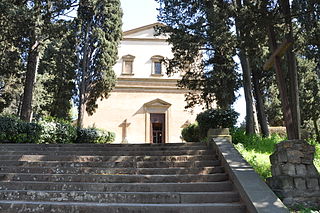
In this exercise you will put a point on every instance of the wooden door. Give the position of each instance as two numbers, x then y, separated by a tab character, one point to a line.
157	122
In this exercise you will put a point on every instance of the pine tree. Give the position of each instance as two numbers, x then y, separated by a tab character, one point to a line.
40	18
99	33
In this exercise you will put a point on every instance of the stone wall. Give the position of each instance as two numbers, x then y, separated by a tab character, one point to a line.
295	179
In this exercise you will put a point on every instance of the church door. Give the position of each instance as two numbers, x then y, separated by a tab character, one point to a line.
157	121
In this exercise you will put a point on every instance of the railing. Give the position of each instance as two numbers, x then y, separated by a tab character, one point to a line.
254	192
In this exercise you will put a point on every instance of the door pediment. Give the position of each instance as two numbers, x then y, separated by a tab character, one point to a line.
157	103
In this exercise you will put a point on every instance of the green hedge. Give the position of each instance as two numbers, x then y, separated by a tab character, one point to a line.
94	135
191	133
216	118
57	131
13	130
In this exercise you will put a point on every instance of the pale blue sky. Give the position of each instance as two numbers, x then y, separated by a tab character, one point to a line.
137	13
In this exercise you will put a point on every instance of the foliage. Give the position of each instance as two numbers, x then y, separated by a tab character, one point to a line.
55	85
317	153
216	118
94	135
273	105
50	130
306	46
13	130
191	133
57	131
302	209
309	92
257	150
11	68
98	34
26	28
203	46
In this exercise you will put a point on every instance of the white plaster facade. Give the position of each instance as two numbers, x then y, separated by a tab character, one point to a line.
145	106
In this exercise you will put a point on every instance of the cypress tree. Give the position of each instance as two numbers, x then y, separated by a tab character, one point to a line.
98	35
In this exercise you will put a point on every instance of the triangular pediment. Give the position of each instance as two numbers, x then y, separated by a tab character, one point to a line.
144	32
157	103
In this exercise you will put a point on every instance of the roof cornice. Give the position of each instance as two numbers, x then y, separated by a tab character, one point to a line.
135	30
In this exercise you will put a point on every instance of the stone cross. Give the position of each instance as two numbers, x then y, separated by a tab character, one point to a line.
124	126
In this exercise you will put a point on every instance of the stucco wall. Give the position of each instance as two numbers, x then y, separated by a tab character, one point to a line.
133	91
143	50
121	105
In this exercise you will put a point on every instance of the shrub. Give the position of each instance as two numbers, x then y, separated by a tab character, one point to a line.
13	130
94	135
216	118
49	130
191	133
57	131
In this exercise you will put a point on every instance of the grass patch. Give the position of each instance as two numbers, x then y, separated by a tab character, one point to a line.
256	150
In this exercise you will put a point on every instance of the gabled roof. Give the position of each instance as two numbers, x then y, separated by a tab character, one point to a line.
145	33
143	28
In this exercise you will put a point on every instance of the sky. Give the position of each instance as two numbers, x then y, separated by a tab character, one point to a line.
137	13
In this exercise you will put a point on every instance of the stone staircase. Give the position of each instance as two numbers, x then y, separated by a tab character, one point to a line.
114	178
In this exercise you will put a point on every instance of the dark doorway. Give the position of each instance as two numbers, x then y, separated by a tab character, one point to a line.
157	121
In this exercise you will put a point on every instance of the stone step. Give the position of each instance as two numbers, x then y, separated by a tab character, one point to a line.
113	178
72	207
90	170
95	158
115	164
90	145
110	144
103	148
112	153
121	197
119	187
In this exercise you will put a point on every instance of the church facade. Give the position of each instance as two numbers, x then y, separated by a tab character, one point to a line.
146	106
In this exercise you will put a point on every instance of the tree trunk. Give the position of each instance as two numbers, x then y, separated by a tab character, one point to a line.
83	82
246	79
32	67
262	118
255	117
292	72
247	94
316	128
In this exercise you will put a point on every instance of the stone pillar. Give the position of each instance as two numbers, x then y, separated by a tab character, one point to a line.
219	133
295	179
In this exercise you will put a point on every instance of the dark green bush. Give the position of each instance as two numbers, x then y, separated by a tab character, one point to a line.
191	133
94	135
13	130
57	131
216	118
49	130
